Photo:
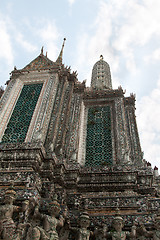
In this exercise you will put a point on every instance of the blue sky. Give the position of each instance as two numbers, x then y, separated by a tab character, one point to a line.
126	32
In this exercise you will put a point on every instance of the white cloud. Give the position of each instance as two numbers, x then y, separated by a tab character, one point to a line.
149	125
91	46
71	2
154	56
141	25
49	35
24	43
6	51
120	27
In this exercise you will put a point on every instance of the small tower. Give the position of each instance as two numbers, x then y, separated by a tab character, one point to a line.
101	76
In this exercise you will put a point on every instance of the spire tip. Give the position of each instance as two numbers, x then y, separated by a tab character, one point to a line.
101	57
59	59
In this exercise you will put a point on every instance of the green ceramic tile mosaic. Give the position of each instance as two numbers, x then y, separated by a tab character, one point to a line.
99	139
22	114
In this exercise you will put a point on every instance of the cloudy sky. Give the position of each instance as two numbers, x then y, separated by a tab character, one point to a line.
126	32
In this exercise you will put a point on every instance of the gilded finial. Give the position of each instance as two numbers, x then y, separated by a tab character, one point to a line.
101	57
59	59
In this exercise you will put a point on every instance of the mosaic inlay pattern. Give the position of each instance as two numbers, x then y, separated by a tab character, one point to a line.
99	140
22	114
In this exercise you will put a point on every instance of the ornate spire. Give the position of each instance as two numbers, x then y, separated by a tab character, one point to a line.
101	76
59	59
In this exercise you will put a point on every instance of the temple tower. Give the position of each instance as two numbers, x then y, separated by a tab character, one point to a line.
108	138
57	135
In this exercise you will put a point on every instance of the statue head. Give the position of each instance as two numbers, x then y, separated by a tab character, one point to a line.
118	223
10	196
54	206
84	220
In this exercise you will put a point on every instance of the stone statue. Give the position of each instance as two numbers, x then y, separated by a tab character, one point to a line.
119	234
155	234
51	222
48	231
23	219
7	225
64	231
28	220
83	233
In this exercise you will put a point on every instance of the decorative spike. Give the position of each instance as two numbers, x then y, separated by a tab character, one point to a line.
59	59
42	50
75	73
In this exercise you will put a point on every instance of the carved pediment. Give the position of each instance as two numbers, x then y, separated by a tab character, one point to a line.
40	63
